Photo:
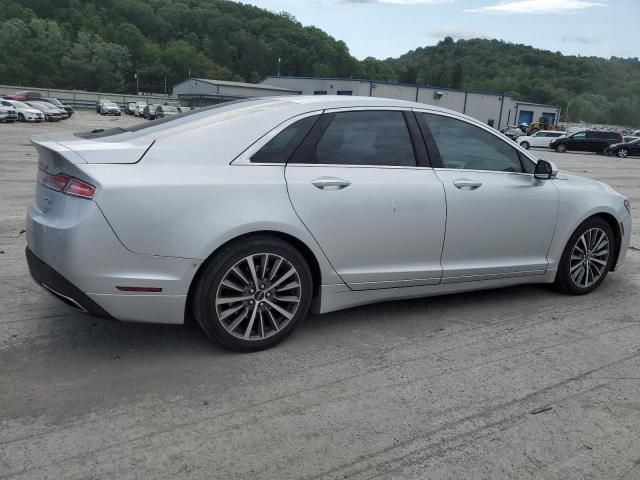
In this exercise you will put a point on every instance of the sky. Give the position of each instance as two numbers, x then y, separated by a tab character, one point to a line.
389	28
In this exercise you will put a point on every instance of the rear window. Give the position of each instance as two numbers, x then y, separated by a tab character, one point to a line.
178	119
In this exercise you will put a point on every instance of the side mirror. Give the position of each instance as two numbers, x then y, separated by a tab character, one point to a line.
545	170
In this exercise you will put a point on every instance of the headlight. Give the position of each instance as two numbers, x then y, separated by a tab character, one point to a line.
627	205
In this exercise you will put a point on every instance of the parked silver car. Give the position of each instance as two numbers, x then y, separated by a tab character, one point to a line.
248	214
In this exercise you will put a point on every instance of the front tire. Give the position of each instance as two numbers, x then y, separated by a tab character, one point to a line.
525	145
622	153
561	148
587	258
21	117
253	293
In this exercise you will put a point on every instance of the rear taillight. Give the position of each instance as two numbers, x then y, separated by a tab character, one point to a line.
81	189
68	185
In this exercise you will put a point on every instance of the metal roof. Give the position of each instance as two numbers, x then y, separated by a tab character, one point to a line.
225	83
383	82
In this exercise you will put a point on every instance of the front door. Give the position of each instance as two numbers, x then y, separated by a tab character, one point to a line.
378	215
500	220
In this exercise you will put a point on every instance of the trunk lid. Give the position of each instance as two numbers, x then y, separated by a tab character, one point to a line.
99	146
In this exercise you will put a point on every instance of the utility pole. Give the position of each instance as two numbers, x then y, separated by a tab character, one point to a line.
137	87
165	84
279	59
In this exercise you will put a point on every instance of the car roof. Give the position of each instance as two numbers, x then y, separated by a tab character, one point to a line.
346	101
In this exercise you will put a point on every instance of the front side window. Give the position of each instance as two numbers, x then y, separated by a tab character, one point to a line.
579	135
282	146
465	146
379	138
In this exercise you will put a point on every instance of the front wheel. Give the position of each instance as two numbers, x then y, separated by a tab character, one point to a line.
622	153
587	258
21	117
561	148
525	145
253	293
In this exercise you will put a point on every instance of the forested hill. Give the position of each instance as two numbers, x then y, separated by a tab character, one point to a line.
101	44
595	89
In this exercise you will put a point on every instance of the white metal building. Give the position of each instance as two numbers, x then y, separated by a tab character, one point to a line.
198	92
495	109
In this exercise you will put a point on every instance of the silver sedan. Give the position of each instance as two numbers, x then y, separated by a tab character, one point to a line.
247	215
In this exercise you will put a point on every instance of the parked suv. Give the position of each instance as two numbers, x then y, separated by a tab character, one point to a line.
587	141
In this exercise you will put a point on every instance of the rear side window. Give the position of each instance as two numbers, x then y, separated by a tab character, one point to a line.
282	146
379	138
465	146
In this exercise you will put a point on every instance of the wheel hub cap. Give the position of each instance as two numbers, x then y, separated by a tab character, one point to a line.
589	257
258	296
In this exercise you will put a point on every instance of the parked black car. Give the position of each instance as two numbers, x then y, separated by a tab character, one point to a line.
623	150
587	141
57	103
149	111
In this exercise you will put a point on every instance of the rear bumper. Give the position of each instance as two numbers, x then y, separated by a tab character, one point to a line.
61	288
74	254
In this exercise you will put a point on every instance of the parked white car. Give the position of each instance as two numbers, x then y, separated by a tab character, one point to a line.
25	112
138	111
541	138
7	114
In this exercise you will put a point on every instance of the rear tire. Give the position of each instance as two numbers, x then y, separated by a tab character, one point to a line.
561	148
587	258
263	312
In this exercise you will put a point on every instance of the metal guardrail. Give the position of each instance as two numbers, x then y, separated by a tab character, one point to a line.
84	99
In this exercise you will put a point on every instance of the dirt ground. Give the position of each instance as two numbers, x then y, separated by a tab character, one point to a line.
437	388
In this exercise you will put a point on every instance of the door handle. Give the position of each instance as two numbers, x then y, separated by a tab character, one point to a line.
330	183
465	184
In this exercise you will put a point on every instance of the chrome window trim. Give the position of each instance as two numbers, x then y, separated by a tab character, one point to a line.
245	157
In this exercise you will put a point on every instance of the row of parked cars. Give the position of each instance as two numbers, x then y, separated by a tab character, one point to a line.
27	106
139	109
597	141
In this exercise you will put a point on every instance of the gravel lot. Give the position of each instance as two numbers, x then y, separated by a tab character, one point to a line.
438	388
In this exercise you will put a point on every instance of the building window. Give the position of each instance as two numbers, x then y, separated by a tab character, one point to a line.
319	92
345	92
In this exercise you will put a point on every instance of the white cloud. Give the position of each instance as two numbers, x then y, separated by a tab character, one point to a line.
538	6
457	33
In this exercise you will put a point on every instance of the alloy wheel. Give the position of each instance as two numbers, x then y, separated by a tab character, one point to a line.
258	296
622	153
589	257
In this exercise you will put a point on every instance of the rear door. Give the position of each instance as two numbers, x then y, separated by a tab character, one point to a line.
539	139
362	185
578	141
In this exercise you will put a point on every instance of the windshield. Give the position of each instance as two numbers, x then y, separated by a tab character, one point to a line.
19	104
55	101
